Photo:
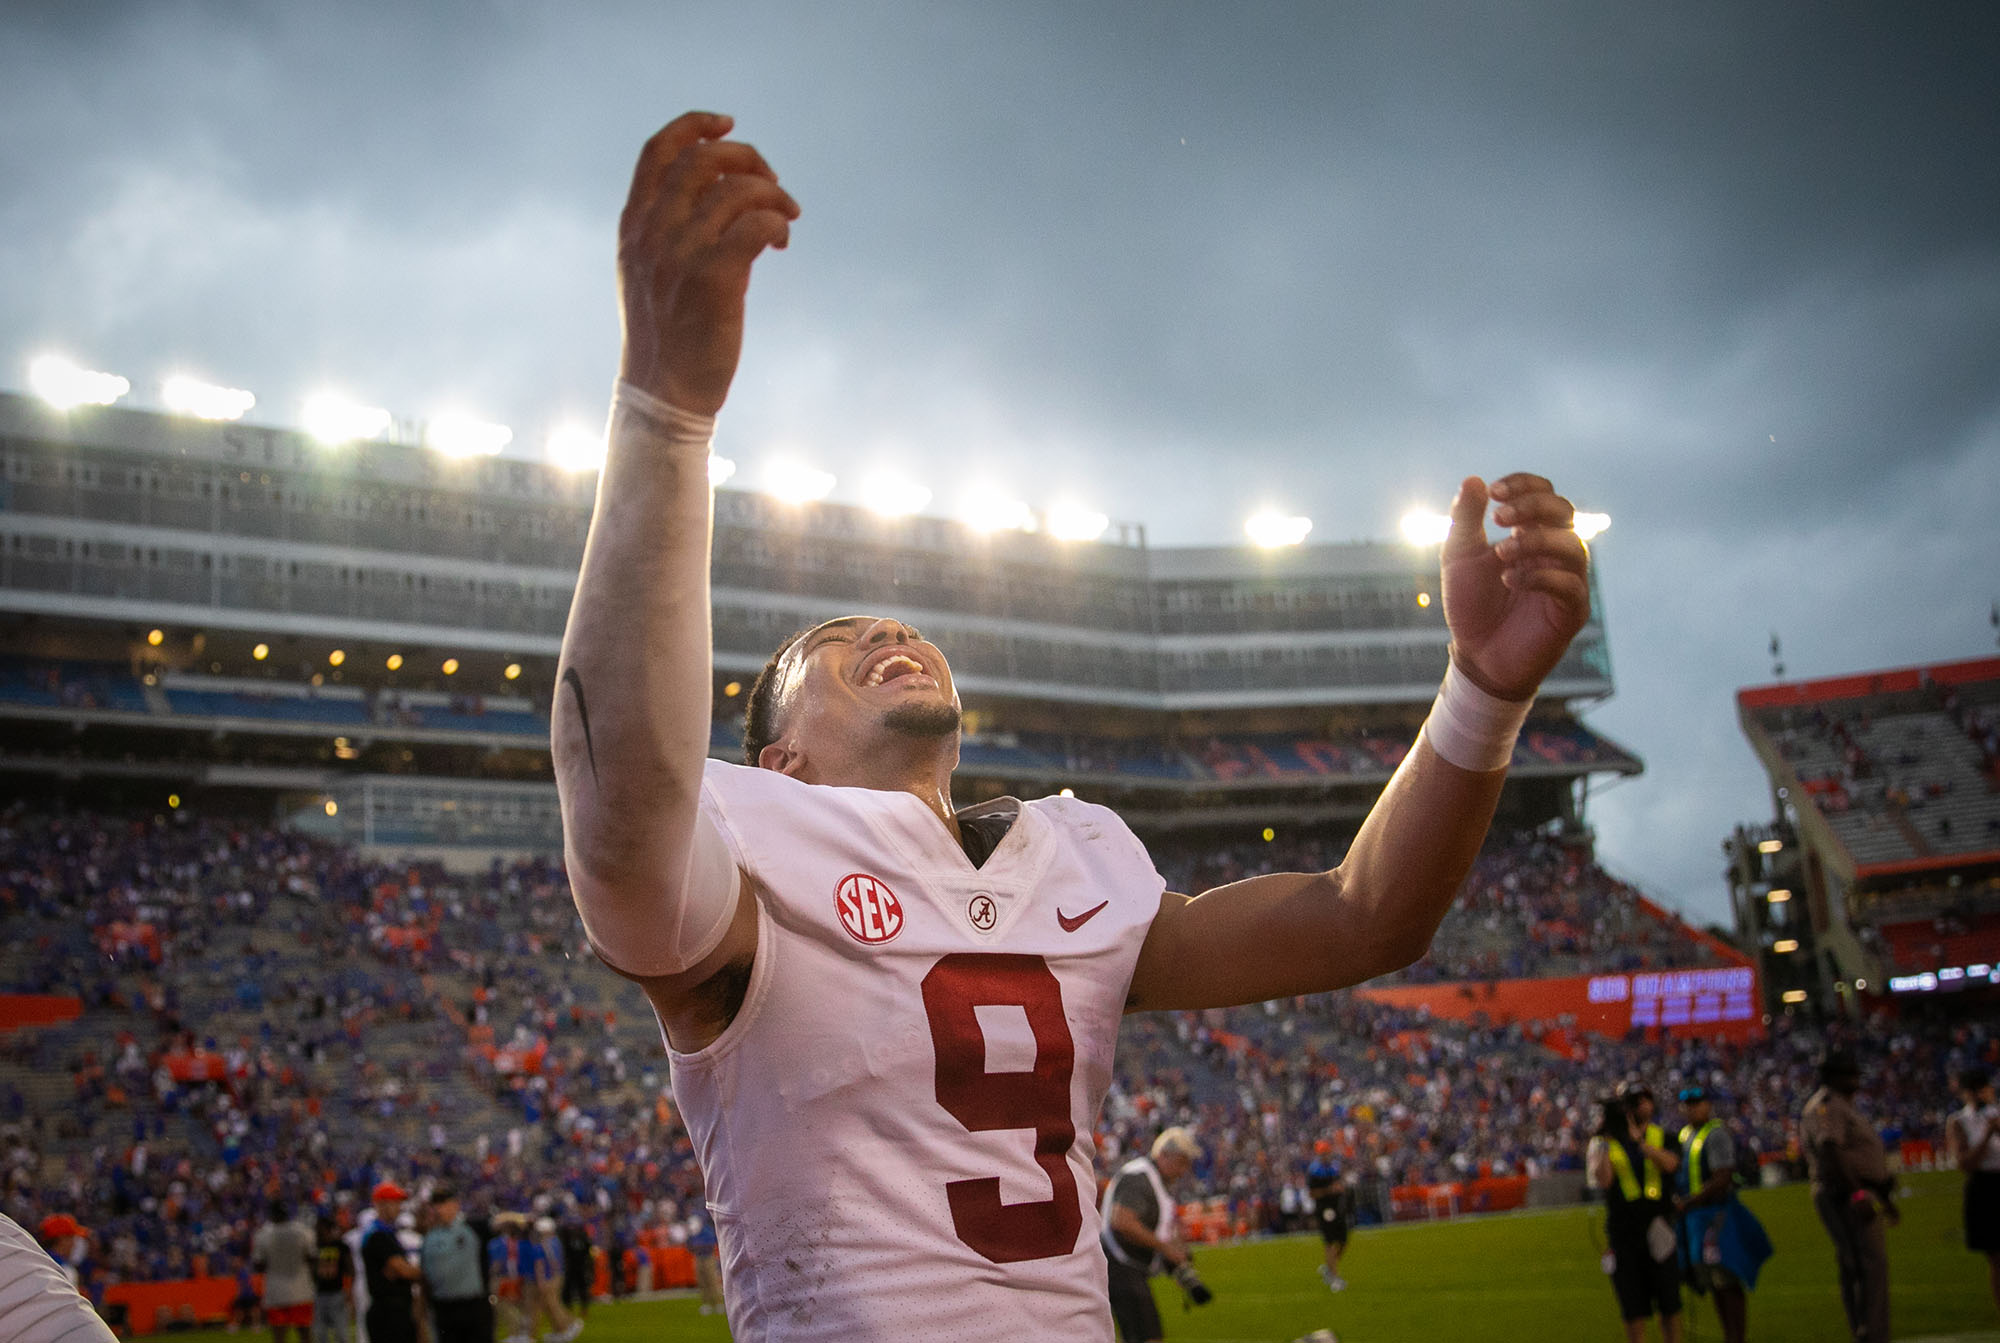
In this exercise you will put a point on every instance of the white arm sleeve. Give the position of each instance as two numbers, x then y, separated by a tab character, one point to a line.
37	1303
641	622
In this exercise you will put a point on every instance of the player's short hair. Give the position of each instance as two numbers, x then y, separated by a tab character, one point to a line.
760	706
1177	1142
1973	1079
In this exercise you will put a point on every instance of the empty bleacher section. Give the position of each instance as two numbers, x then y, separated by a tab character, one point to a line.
1899	764
1883	866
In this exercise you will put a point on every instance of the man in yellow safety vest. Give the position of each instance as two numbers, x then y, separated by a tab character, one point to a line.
1629	1159
1723	1243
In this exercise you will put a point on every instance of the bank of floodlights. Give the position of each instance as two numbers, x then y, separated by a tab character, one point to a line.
1069	521
1421	527
893	496
575	448
1271	530
205	400
992	511
66	384
332	418
459	435
796	483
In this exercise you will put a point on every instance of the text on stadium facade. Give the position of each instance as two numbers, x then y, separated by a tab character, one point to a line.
1681	997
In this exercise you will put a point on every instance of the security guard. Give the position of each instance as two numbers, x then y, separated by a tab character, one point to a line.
1630	1161
1852	1192
1723	1245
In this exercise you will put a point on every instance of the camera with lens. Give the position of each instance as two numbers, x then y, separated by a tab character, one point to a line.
1191	1283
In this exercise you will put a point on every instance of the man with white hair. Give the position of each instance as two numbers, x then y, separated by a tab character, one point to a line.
1141	1234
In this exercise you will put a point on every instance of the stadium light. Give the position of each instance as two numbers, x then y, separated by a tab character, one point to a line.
575	448
1589	525
332	418
336	657
796	483
513	672
1270	529
1073	522
991	511
1770	845
720	469
395	662
156	637
261	651
1421	527
1779	896
1795	995
63	383
450	667
205	400
1785	946
893	496
457	435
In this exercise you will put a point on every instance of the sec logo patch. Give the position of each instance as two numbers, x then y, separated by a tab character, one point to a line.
867	909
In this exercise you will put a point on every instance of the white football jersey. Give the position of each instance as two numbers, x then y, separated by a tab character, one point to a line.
895	1131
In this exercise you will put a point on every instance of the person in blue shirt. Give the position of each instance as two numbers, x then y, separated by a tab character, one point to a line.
1722	1244
1333	1211
542	1277
504	1259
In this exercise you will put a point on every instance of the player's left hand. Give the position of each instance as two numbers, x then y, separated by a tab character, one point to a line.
1513	606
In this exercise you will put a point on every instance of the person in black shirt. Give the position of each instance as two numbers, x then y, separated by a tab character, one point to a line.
1629	1160
392	1311
333	1277
579	1267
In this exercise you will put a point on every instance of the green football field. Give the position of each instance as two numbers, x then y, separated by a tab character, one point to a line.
1514	1276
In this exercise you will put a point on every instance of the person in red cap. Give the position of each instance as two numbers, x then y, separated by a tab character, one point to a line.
63	1236
392	1278
38	1296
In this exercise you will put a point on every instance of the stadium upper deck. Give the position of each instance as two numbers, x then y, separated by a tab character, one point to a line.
130	516
1887	873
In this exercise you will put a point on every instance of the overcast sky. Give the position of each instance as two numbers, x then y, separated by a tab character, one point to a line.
1728	273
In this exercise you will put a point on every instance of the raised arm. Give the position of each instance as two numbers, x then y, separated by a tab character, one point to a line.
653	881
1512	609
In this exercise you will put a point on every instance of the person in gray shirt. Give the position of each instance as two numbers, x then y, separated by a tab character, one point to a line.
283	1249
454	1264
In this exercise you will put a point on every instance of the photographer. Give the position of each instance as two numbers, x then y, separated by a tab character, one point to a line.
1140	1236
1628	1159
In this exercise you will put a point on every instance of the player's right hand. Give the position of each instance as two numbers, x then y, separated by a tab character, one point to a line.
701	210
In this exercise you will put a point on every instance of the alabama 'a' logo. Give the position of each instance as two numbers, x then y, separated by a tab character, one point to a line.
867	909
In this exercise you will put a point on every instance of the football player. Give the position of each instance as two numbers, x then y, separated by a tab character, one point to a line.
891	1022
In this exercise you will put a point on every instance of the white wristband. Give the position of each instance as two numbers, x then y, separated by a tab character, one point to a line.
1472	729
683	428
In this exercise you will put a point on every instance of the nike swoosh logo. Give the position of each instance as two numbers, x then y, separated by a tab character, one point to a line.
1070	925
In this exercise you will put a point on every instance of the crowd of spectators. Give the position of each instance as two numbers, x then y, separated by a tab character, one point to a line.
269	1016
1535	905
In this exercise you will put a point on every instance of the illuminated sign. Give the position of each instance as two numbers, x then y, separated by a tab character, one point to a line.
1681	997
1947	978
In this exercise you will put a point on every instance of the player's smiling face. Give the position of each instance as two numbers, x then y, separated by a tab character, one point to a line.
852	681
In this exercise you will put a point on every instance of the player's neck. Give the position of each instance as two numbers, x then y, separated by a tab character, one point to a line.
921	769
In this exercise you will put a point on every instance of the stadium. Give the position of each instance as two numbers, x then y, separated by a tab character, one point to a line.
286	916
